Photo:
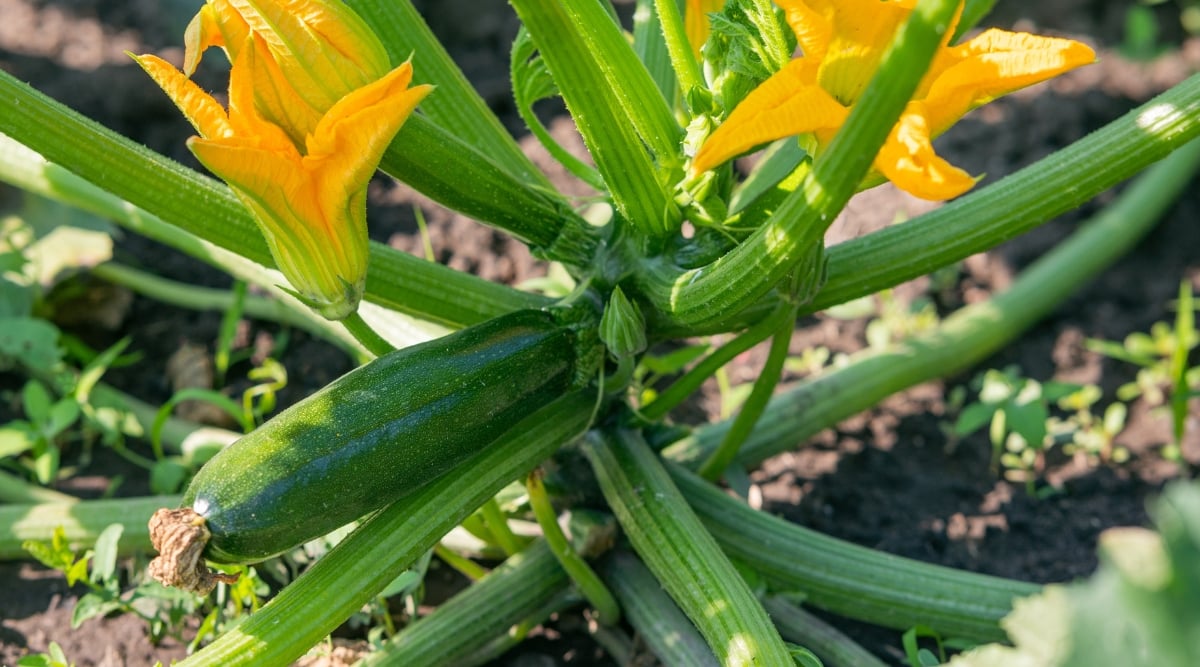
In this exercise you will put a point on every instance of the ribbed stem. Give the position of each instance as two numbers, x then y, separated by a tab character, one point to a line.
665	532
653	614
831	646
966	337
13	489
484	611
851	580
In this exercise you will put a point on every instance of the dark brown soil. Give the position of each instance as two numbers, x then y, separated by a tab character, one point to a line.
886	479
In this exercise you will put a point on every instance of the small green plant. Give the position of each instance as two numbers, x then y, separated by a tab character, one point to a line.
164	610
1165	377
1017	412
53	657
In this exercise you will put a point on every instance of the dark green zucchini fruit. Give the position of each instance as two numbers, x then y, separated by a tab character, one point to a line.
378	433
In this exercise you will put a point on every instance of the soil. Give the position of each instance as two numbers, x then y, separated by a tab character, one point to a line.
888	478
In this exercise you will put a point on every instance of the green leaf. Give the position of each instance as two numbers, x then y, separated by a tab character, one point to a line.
14	441
78	571
1028	421
36	400
104	556
62	415
45	465
1142	607
55	554
167	476
93	605
15	300
972	418
96	368
33	343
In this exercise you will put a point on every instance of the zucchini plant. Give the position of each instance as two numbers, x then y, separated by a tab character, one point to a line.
677	243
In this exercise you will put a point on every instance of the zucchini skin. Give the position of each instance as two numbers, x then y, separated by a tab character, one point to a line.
377	433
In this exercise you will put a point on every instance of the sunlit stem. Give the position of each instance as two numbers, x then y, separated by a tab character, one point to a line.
364	334
497	524
755	404
687	70
690	382
585	578
464	566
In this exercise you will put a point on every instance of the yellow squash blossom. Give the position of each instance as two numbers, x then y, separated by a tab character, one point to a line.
696	23
842	43
300	163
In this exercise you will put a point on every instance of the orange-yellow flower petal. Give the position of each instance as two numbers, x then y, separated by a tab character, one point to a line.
994	64
907	160
788	103
842	43
202	111
350	139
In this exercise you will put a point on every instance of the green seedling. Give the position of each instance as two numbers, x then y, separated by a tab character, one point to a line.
1090	435
1165	377
164	610
1016	411
53	657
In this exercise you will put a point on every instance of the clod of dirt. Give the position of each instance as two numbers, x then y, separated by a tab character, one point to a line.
180	536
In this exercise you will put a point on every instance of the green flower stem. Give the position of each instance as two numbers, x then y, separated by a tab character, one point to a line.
82	521
703	298
652	613
850	580
13	489
586	579
831	646
484	611
201	206
461	564
616	106
368	337
203	298
497	525
770	29
455	106
967	337
755	404
389	542
1016	204
687	70
690	382
682	555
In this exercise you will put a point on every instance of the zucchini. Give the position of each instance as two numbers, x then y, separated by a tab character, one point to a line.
375	434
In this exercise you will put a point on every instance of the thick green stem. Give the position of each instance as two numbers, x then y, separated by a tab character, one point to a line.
389	542
486	610
851	580
665	532
703	298
831	646
966	337
687	70
755	404
653	614
585	578
82	522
